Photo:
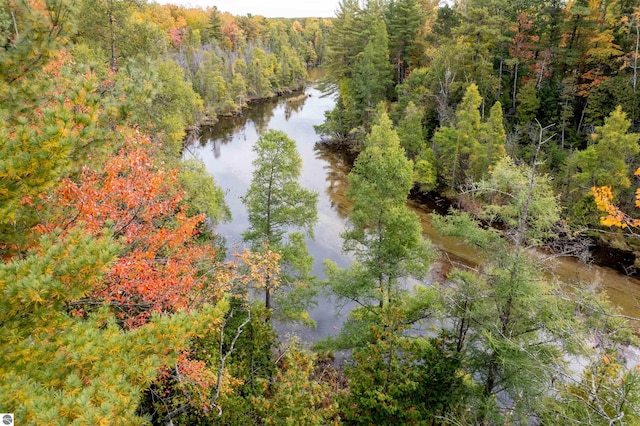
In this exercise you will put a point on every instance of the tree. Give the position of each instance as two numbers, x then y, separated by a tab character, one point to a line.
294	396
140	206
412	139
615	217
521	50
404	20
514	327
384	236
344	41
508	196
410	131
470	146
214	26
480	31
210	82
277	206
63	367
606	161
371	73
261	73
202	195
456	152
528	103
501	316
607	392
32	34
174	107
403	380
106	24
357	65
493	139
503	313
46	126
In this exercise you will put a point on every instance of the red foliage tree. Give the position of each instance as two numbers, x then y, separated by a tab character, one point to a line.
162	266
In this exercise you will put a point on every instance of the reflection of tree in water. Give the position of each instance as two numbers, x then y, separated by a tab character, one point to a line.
217	143
259	114
337	167
293	105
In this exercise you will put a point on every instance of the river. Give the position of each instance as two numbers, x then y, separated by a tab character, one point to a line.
226	150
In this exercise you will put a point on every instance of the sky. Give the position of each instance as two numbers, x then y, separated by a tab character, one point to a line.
267	8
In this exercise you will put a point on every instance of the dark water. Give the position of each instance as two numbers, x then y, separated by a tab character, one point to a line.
227	152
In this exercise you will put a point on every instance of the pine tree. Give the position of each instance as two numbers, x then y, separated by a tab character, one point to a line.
467	149
503	313
384	236
404	21
278	207
410	131
214	26
606	161
455	145
63	365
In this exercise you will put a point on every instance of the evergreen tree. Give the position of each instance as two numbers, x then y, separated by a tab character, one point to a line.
493	140
403	380
344	42
214	26
467	149
32	34
384	236
294	397
107	25
357	65
371	73
502	315
277	206
64	365
607	161
404	20
528	103
454	145
410	131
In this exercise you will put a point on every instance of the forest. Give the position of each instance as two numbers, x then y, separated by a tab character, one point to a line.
121	304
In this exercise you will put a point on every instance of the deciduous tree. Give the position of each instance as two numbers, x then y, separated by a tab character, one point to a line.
61	367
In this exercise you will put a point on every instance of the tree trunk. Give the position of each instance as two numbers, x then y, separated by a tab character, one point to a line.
635	59
112	37
267	296
515	87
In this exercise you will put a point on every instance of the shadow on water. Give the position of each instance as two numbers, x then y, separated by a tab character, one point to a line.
226	150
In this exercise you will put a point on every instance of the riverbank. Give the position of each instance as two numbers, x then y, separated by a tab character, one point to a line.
602	248
211	118
227	153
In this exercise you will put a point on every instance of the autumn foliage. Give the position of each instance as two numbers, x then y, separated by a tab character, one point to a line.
139	204
615	217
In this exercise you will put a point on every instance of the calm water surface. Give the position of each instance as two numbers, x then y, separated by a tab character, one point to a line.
227	152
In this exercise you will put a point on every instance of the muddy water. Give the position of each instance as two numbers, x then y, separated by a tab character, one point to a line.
227	152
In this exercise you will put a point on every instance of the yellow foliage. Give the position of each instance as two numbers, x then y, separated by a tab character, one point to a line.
603	197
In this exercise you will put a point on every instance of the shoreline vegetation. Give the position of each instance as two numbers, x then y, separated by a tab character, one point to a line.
121	305
207	121
603	251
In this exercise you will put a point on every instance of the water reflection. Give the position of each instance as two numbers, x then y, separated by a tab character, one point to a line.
257	116
294	105
337	169
226	149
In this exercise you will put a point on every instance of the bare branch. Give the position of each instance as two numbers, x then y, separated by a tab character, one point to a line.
223	358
